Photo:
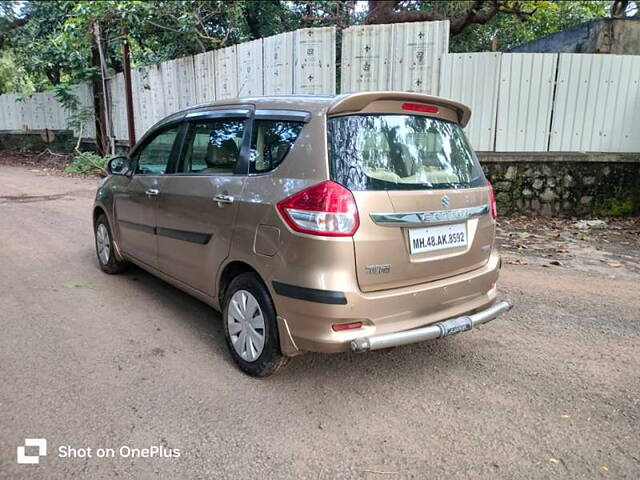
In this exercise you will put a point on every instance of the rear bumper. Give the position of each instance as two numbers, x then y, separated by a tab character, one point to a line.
308	324
431	332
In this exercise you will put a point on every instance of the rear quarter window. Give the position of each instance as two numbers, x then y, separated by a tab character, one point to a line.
271	140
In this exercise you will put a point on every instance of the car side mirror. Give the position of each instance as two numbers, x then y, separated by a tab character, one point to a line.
118	166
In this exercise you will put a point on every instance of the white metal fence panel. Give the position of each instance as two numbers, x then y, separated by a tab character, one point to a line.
597	104
524	102
84	92
250	71
204	66
54	114
118	107
366	58
143	107
170	86
472	79
155	85
11	118
278	64
226	73
417	49
39	111
186	82
314	69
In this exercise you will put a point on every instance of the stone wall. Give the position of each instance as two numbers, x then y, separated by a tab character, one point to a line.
598	184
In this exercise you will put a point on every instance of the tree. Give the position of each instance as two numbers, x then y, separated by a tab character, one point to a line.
460	14
550	17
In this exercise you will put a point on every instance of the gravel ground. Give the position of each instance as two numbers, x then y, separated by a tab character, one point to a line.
90	360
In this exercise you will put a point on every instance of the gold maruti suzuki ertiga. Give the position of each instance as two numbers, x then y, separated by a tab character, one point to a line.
321	224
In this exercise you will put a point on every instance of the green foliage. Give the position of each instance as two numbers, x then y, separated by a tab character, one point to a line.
13	78
549	17
78	115
88	163
40	48
619	205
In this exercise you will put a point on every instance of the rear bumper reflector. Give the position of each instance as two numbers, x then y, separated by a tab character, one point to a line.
431	332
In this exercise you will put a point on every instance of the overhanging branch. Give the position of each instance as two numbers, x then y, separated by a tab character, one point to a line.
479	12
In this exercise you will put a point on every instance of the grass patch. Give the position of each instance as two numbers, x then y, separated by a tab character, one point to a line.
88	163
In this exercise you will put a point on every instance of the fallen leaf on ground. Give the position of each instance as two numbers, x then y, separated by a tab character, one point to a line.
614	264
555	262
605	468
554	460
518	261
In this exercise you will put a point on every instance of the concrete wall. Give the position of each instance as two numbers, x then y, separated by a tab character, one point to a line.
617	36
565	184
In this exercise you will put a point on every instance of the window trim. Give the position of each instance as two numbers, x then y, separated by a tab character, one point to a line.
150	137
301	116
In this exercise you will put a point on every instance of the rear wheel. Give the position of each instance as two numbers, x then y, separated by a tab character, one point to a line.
105	249
250	327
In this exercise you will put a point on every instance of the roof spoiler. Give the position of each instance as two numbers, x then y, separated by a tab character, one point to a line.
354	102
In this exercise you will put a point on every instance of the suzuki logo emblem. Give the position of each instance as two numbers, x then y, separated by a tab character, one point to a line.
445	201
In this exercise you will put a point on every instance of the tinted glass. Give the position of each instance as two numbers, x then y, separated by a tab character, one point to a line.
270	143
400	152
154	157
213	146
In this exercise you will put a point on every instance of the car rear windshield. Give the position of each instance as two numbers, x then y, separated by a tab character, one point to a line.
400	152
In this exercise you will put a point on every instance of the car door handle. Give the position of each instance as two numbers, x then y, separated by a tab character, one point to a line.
223	198
152	191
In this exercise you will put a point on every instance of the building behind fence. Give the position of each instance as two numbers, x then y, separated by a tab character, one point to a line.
521	102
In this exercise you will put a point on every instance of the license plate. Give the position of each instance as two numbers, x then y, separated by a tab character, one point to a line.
437	238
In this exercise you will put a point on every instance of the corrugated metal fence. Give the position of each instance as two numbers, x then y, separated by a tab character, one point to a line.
296	62
520	101
538	102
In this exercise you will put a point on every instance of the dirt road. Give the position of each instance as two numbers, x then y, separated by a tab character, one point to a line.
95	361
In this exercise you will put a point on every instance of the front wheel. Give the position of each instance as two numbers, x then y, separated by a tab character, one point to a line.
250	327
105	249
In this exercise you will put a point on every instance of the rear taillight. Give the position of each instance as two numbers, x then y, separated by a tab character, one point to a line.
492	197
326	209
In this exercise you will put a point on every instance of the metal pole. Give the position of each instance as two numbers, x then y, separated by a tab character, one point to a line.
128	92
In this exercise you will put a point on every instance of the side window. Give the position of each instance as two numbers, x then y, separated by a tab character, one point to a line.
213	146
270	143
154	157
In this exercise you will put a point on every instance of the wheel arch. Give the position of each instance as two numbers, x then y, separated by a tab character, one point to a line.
101	210
97	211
229	272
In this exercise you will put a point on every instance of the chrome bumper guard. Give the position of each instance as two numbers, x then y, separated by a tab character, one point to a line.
431	332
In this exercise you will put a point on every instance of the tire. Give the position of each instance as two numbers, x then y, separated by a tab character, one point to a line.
248	312
104	247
